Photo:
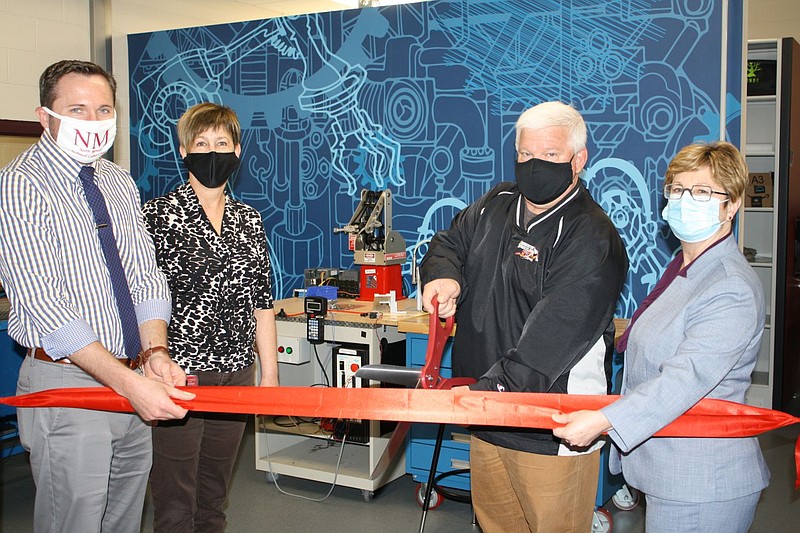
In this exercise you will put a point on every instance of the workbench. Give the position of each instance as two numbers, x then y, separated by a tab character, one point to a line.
306	449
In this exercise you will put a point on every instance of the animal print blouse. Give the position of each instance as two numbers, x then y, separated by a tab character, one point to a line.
217	281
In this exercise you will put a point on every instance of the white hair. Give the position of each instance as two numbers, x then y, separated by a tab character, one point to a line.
549	114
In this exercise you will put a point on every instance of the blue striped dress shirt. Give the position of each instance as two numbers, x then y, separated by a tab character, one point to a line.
51	263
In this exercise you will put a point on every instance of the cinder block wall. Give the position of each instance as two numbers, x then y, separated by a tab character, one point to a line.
33	35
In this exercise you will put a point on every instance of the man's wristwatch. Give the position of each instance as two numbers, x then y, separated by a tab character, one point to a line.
145	355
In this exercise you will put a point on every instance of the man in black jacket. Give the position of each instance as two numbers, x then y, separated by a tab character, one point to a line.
534	269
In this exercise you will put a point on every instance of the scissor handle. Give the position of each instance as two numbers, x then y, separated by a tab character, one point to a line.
438	334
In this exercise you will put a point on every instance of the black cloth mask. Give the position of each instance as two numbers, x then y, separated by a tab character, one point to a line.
212	169
542	181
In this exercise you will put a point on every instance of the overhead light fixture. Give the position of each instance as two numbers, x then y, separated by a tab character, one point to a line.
375	3
358	3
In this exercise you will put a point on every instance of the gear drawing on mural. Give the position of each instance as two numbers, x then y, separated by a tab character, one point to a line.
183	79
422	98
624	194
334	91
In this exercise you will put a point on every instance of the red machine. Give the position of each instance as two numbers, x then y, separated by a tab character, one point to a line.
379	250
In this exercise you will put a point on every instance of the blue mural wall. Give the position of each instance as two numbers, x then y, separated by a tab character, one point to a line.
422	99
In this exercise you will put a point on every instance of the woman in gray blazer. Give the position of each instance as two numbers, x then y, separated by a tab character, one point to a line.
696	336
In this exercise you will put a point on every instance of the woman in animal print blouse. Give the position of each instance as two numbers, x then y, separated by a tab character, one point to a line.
214	252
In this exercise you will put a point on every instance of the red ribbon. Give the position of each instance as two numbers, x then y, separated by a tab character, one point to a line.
461	406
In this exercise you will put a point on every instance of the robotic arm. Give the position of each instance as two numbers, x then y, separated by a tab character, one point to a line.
370	228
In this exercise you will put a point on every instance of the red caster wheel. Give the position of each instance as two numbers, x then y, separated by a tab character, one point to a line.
436	498
602	521
625	498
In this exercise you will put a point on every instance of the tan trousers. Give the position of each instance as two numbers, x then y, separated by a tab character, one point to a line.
521	492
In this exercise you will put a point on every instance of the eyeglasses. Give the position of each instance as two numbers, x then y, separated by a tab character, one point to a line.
701	193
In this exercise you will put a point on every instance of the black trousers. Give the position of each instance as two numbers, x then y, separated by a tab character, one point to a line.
193	462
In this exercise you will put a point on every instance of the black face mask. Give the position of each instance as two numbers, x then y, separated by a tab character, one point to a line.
212	169
542	181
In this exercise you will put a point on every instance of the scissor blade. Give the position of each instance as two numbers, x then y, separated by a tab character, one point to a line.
398	375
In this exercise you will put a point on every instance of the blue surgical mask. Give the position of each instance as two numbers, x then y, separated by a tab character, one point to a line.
690	220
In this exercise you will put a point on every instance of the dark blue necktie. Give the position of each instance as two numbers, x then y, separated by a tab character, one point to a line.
122	293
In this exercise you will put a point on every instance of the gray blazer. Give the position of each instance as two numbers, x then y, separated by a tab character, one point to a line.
698	339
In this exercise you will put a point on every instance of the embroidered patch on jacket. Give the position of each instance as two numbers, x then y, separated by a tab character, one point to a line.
527	252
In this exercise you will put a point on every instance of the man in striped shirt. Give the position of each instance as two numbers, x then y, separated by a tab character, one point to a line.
90	467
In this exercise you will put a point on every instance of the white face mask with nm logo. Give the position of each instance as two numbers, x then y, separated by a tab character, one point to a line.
85	140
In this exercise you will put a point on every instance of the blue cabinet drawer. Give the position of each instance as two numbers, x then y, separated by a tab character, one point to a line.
454	454
418	464
456	437
417	345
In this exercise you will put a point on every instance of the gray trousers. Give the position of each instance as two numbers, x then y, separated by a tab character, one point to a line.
731	516
90	467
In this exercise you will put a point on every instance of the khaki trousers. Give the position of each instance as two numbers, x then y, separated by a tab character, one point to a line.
90	467
521	492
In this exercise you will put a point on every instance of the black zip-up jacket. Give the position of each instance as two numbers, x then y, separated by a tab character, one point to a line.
537	303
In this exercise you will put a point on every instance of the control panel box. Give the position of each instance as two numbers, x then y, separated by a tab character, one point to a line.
346	360
293	350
